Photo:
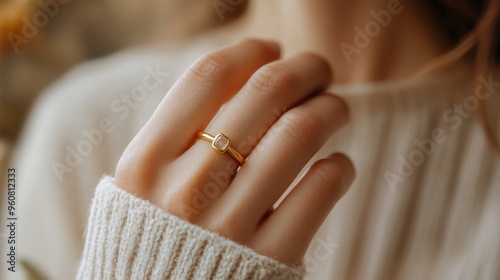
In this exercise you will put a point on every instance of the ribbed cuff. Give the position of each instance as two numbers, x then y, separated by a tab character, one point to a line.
130	238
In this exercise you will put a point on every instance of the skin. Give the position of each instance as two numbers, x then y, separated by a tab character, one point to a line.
277	115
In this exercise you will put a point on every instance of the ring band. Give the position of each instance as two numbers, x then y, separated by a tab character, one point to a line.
221	143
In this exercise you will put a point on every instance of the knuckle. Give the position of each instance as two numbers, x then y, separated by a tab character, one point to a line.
302	126
211	67
272	80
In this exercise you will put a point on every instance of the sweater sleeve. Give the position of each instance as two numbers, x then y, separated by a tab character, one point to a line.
130	238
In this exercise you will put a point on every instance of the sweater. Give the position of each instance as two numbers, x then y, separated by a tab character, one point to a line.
129	238
424	204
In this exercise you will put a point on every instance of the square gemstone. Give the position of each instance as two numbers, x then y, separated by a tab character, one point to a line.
221	142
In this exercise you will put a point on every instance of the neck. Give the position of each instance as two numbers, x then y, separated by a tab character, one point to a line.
364	41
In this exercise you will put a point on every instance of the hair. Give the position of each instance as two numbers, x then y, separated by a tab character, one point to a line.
472	26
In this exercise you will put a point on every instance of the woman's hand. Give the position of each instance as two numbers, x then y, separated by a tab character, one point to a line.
277	118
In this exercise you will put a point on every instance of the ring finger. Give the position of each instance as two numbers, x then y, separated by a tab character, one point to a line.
260	103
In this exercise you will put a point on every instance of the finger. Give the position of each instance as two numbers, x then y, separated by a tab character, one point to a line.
284	151
300	215
249	115
262	101
269	93
200	92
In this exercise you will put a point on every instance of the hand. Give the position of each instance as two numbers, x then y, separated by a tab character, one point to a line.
276	116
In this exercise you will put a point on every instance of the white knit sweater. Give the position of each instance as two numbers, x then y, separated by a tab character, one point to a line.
129	238
435	218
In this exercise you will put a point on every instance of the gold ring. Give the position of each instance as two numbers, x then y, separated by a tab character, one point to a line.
221	143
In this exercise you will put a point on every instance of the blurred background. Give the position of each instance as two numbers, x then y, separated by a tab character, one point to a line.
42	39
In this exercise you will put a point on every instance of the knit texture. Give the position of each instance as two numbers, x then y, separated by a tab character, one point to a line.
130	238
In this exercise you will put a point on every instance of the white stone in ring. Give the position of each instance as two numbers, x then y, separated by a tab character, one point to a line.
221	143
